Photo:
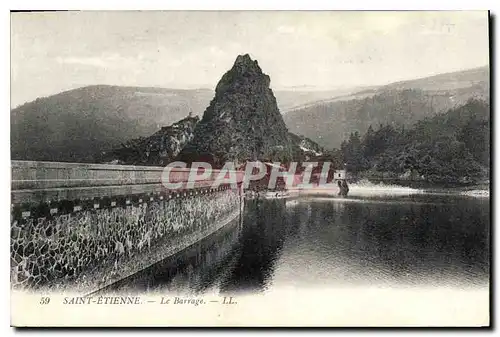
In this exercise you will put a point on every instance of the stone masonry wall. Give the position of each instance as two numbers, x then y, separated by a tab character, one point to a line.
92	247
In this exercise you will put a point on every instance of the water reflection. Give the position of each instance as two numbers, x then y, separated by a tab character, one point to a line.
264	233
323	242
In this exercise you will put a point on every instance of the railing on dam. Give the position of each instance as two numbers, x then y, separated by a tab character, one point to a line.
41	182
89	225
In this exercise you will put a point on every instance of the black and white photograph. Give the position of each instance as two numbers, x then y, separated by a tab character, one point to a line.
250	168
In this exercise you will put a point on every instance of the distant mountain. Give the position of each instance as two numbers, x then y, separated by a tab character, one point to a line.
82	124
242	122
464	79
329	122
79	124
294	98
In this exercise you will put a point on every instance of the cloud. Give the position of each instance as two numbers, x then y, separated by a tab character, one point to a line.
107	61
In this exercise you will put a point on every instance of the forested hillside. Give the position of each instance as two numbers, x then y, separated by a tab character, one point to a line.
452	147
330	122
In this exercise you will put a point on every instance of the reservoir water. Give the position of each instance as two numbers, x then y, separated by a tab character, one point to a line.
405	239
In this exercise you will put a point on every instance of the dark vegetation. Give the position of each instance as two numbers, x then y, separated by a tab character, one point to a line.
453	147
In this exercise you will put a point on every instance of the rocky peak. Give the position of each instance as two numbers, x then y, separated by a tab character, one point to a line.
242	122
245	75
245	63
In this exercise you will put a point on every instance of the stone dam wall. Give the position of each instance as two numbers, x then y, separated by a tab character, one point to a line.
84	227
190	272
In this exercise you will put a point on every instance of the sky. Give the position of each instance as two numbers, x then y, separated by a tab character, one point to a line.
57	51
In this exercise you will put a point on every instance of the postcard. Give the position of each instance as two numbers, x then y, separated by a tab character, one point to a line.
250	169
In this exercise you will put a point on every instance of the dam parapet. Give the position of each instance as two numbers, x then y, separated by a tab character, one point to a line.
86	226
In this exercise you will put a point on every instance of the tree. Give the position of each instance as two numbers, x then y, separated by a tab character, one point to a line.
449	147
353	153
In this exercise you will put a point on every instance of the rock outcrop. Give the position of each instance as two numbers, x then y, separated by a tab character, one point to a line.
242	122
158	149
307	146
